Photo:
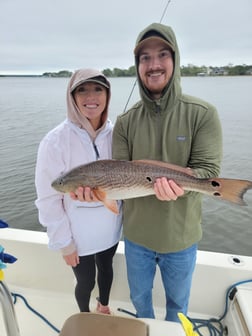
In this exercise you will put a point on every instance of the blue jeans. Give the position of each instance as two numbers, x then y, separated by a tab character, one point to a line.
176	272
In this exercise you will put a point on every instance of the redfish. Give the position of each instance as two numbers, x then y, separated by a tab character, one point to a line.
112	180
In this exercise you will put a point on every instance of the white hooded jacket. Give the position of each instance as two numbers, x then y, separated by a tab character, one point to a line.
87	227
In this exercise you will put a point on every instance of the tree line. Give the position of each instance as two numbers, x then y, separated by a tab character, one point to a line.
190	70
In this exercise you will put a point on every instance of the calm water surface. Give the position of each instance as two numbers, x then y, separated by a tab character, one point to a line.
30	107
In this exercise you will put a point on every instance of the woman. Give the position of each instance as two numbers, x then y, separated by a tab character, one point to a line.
86	233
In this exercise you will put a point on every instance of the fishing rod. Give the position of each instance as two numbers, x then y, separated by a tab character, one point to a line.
134	85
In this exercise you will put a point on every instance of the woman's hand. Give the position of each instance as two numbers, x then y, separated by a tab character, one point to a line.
72	259
83	194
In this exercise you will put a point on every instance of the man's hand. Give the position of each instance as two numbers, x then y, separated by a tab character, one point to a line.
167	190
84	195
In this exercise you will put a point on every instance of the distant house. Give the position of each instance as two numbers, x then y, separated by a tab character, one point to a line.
218	71
249	72
202	74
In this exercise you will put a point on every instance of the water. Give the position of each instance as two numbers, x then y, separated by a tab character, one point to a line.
30	107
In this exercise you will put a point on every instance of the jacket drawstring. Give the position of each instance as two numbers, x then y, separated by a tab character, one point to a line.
159	130
96	151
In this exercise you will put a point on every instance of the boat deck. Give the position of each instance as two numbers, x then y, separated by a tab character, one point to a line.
57	307
43	279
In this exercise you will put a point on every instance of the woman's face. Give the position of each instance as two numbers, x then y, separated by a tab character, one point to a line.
91	100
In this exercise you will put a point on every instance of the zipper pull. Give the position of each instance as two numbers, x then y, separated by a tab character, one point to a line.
157	108
96	151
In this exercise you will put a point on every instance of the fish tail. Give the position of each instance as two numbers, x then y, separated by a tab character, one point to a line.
231	190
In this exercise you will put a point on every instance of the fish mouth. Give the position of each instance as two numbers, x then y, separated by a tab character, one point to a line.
54	184
58	184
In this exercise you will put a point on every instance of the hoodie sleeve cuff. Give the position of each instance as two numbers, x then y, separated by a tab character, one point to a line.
71	248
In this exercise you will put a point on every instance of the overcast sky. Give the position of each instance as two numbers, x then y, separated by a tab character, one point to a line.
52	35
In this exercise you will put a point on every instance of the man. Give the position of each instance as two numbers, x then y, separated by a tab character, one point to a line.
169	126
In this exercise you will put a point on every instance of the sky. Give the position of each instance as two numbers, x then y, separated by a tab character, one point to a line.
38	36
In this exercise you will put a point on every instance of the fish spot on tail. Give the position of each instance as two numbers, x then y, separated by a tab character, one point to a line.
231	190
215	184
148	178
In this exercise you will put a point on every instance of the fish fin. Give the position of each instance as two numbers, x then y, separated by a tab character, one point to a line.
184	170
231	190
102	196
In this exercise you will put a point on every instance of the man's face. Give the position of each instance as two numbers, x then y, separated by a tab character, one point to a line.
155	66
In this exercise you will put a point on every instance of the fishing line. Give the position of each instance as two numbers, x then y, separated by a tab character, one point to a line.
134	85
164	12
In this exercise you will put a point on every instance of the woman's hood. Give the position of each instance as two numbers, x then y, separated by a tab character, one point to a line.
74	115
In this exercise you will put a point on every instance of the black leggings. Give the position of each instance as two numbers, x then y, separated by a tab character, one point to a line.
85	273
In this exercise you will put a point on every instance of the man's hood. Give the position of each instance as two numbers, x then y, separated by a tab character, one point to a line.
173	89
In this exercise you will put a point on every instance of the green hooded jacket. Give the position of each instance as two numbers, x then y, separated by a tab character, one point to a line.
178	129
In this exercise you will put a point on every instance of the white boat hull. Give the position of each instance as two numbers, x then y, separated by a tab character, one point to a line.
43	278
